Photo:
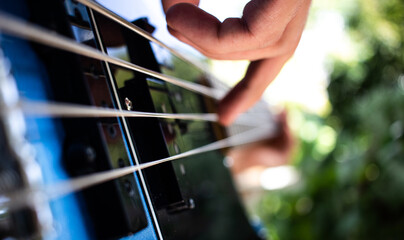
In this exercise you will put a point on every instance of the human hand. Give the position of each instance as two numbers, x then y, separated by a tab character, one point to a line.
274	151
267	34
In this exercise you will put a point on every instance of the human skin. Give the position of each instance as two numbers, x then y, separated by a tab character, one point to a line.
271	152
267	34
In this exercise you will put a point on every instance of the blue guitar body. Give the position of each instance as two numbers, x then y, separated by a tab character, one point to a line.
190	198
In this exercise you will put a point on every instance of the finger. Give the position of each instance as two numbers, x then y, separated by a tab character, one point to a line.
251	55
169	3
249	90
284	141
287	43
293	32
285	46
262	24
267	19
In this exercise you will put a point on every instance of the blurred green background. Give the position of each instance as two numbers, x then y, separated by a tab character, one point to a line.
351	159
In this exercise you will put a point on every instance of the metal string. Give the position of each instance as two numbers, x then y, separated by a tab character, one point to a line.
23	29
118	19
38	34
55	109
62	188
38	109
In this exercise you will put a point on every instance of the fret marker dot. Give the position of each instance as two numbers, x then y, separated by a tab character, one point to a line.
128	104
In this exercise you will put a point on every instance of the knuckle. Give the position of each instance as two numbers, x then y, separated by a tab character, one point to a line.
272	37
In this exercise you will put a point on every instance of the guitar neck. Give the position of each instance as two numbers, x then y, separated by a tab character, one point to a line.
100	60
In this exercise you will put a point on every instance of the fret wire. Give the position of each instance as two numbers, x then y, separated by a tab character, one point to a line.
29	31
132	151
32	32
23	29
118	19
60	189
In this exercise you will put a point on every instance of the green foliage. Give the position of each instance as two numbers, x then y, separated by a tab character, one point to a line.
354	192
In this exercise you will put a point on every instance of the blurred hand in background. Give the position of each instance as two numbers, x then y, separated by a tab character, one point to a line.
273	152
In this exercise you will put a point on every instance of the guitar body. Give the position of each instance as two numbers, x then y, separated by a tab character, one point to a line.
189	198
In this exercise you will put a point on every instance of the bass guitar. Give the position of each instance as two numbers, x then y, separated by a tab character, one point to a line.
107	133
